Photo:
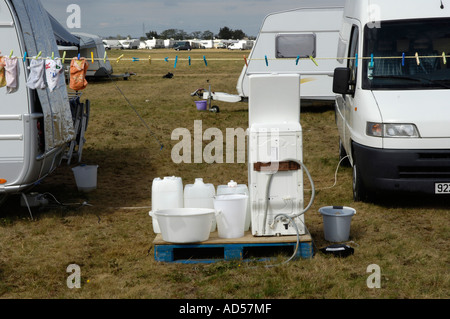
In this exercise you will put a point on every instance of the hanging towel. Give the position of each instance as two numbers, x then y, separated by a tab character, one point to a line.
78	69
53	69
2	72
11	74
36	76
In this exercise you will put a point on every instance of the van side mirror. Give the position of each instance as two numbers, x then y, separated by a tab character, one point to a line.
341	81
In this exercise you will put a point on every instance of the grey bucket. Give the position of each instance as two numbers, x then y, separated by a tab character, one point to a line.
336	222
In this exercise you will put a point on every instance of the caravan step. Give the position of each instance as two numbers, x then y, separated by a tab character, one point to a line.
246	248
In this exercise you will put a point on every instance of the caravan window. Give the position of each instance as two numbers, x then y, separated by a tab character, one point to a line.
294	45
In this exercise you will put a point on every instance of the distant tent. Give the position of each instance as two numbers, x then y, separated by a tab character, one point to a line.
90	43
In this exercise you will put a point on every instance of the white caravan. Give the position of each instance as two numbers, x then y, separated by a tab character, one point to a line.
130	44
112	45
392	102
154	44
241	45
305	32
35	124
285	36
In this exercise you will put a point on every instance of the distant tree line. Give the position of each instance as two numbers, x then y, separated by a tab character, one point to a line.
177	34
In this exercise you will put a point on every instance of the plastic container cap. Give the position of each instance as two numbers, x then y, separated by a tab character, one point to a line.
232	184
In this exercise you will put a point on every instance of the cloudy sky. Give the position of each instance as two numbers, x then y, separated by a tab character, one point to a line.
132	17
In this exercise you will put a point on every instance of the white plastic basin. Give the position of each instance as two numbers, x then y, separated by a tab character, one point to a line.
185	225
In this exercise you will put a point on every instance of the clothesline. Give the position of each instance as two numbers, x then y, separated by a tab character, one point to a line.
44	72
246	59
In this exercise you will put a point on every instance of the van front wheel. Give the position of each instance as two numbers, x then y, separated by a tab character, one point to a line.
359	190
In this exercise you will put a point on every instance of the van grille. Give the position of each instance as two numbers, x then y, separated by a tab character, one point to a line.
425	172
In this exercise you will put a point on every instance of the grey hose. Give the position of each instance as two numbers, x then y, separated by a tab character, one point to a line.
269	182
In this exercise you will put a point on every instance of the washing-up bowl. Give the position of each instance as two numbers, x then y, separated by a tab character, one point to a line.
185	225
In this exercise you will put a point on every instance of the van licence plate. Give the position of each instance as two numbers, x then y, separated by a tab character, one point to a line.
442	188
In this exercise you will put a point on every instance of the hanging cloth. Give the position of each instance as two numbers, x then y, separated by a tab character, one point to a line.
36	76
53	69
2	72
11	74
78	69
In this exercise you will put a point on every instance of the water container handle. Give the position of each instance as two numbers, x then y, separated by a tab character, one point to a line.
218	214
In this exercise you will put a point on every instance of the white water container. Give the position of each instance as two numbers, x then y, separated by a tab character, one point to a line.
235	188
200	195
167	193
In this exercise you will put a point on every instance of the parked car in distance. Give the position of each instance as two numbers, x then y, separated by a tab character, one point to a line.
182	45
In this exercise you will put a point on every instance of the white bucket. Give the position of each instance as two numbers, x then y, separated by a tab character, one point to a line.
86	177
235	188
336	222
167	193
200	195
230	215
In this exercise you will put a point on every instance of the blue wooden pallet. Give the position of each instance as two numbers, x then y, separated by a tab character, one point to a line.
245	249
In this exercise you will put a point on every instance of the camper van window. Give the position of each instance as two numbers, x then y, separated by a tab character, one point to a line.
429	38
353	51
294	45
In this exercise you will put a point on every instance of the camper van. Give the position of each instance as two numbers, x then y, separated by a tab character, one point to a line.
304	32
392	95
35	124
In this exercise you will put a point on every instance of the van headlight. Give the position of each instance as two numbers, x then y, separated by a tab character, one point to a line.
392	130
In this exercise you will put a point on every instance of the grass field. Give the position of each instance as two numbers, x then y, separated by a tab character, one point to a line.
111	240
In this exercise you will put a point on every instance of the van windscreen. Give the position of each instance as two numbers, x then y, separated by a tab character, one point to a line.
407	55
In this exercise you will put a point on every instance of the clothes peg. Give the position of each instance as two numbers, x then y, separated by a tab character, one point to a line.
79	56
149	59
267	61
166	59
104	58
64	57
53	55
135	59
312	59
371	61
444	58
92	57
298	59
176	61
245	60
39	55
403	59
417	58
119	58
204	59
189	61
25	57
10	55
356	59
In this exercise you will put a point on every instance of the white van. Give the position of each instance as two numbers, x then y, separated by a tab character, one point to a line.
393	97
36	125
